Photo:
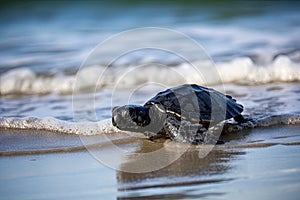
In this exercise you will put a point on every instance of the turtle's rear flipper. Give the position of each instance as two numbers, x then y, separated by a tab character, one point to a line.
220	142
240	119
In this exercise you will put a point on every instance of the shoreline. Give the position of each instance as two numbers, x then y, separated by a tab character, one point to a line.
226	172
53	143
229	171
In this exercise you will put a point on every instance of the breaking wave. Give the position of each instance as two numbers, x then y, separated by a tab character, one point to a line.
239	70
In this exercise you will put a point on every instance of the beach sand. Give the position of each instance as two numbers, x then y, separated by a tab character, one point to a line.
262	163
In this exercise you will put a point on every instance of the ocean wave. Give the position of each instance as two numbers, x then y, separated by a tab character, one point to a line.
88	79
106	127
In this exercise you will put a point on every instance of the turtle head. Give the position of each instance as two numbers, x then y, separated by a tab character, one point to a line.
130	117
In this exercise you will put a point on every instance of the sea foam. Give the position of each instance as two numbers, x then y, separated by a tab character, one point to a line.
88	79
59	126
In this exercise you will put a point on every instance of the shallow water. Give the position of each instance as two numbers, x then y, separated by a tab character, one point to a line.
226	174
263	165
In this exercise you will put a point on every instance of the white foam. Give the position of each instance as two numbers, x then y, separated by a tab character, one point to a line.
243	70
263	121
279	119
25	81
59	126
282	69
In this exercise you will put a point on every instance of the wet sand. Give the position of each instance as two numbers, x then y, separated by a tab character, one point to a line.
262	163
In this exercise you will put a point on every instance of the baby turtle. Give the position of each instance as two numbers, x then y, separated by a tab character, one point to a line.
183	113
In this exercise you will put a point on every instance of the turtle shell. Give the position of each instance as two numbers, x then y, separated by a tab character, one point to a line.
197	104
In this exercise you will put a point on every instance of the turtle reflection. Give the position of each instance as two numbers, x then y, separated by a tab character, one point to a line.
189	170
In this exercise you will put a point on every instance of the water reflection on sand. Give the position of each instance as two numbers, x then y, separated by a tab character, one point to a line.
188	173
256	156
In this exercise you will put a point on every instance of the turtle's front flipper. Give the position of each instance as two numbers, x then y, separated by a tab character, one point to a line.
161	134
171	127
185	131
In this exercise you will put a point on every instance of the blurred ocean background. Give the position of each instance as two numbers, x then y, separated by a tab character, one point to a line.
44	43
254	45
